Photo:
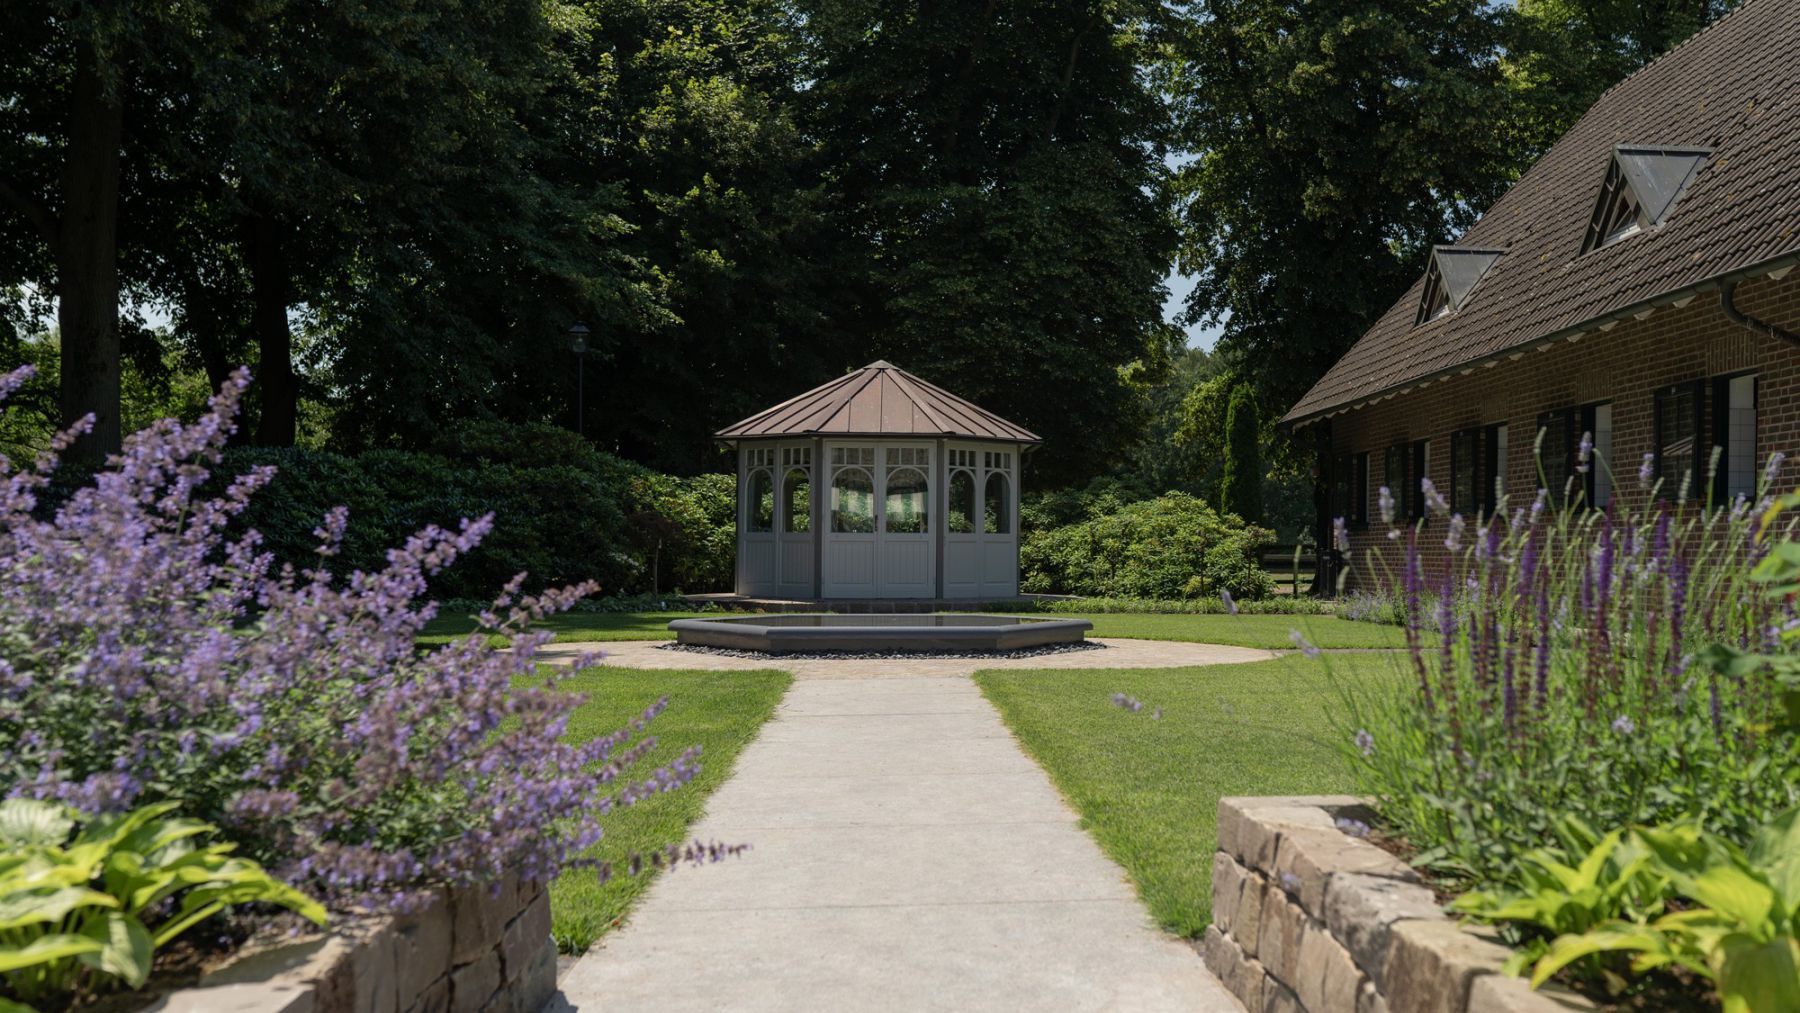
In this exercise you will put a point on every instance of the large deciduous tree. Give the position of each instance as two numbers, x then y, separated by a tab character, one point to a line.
996	178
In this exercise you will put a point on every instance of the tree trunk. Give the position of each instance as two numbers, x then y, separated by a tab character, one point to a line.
269	286
87	261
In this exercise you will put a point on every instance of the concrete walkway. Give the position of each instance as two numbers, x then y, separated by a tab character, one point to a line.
905	855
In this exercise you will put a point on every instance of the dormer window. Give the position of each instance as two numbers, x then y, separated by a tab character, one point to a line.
1450	277
1641	188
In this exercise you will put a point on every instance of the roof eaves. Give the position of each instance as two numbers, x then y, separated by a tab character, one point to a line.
1774	266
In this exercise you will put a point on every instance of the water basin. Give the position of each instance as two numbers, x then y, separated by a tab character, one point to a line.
786	632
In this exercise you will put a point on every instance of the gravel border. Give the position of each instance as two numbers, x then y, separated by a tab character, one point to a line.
1023	652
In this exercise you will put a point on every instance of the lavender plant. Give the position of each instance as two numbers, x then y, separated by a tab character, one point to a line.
145	656
1551	672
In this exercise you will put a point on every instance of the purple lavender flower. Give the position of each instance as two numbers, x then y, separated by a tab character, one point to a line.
1584	453
1647	471
1772	470
1434	500
1354	828
1230	604
1365	743
1306	647
1340	534
1385	500
1454	533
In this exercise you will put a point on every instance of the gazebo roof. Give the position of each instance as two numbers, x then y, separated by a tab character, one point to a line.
880	399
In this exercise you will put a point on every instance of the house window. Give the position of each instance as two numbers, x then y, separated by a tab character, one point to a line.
1418	467
1596	421
1465	471
1450	276
1555	448
1394	465
1493	467
1678	440
1350	489
1641	187
1734	429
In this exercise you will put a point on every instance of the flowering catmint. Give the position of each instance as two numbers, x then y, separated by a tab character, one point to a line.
1306	647
1355	828
1624	725
1434	500
1647	471
1454	533
146	653
1584	453
1365	742
1230	603
1773	469
1130	703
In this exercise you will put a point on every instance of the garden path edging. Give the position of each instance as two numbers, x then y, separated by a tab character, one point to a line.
474	949
1308	919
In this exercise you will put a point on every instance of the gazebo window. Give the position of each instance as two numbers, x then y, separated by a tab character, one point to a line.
796	500
962	500
852	502
762	501
908	496
997	505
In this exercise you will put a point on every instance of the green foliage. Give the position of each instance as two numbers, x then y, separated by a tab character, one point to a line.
1274	605
1174	546
85	903
1240	492
563	512
1737	922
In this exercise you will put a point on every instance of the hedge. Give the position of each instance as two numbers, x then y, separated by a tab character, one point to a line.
1174	546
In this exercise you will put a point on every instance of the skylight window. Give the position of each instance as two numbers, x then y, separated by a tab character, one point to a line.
1641	188
1451	277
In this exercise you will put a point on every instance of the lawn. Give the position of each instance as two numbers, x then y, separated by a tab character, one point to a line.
1243	631
719	711
1147	788
1248	631
573	626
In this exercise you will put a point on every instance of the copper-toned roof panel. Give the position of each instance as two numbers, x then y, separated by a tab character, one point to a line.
1734	89
879	399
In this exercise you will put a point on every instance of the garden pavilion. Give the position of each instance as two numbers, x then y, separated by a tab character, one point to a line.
878	485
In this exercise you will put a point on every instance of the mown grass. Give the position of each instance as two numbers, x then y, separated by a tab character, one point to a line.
1148	788
571	626
1271	632
719	711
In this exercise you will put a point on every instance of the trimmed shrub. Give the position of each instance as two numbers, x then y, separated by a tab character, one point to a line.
1240	490
1174	546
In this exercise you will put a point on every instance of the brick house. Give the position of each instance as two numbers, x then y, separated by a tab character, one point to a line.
1636	283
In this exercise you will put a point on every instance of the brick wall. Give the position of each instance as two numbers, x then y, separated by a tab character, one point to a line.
1624	366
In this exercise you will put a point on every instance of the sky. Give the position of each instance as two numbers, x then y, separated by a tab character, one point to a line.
1198	335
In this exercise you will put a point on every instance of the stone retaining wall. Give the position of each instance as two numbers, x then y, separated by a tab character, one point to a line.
1309	919
472	950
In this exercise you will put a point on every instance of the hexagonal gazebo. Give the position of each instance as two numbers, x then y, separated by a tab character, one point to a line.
878	485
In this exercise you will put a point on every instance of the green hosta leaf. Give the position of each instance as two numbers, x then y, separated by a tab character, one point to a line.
45	905
1613	936
111	831
1755	976
1775	852
8	1006
125	947
33	823
44	950
1735	894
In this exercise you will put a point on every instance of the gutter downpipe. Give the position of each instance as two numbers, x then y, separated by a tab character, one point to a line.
1728	304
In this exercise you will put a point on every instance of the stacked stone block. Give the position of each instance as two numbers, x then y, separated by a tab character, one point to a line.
1308	919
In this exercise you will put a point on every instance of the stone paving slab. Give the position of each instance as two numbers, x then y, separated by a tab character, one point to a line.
905	855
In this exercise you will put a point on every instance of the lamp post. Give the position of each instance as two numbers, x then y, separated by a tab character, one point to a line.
578	343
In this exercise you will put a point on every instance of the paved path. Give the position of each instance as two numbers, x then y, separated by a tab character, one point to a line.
906	855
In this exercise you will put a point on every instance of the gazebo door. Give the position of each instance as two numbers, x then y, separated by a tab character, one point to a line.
851	500
906	551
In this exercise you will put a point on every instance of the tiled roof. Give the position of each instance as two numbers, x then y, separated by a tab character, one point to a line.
880	399
1733	88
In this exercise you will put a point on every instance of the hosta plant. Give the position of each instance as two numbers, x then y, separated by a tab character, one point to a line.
85	903
1742	930
1591	881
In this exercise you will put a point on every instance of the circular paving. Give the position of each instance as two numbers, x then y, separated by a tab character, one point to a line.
1118	653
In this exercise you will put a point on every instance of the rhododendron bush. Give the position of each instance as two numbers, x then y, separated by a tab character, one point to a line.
146	655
